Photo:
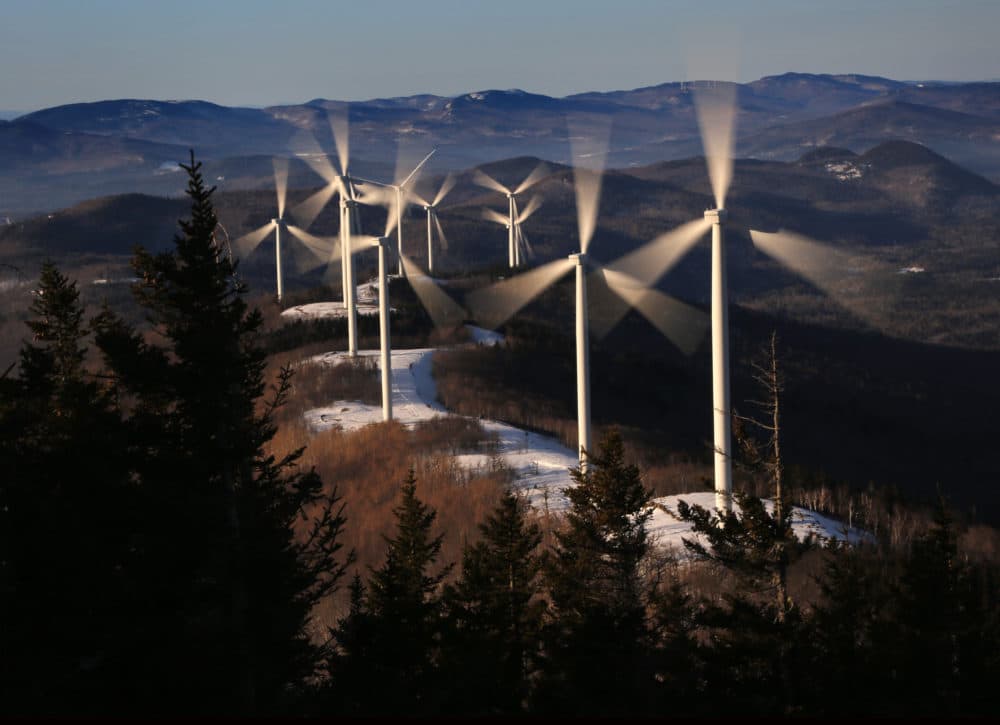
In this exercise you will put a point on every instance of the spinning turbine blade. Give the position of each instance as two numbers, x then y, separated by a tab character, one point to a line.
532	207
251	240
281	183
484	179
494	216
587	184
494	305
308	210
833	271
416	168
446	186
443	309
322	251
441	237
340	127
682	324
654	259
533	178
716	109
646	266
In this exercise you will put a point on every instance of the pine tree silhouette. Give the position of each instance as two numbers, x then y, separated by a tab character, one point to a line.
231	583
496	614
598	643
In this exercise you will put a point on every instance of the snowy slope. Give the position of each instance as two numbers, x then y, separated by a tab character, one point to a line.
540	463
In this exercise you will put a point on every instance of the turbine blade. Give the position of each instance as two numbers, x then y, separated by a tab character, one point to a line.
440	231
494	305
522	239
483	179
650	262
532	207
307	211
320	163
540	172
446	186
281	183
843	277
322	250
444	311
340	126
682	324
587	184
494	216
716	109
416	168
251	240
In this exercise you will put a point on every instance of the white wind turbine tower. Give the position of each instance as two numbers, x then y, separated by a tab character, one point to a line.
432	219
716	109
250	241
515	237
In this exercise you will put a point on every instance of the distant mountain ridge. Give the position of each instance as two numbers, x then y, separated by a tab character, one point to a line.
780	117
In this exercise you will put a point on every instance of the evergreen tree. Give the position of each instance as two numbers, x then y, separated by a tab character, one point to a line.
598	641
66	518
230	583
391	637
495	614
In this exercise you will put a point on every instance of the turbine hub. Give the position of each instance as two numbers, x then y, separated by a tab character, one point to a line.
278	222
383	242
580	258
716	216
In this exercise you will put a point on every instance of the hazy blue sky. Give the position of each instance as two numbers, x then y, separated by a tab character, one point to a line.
257	52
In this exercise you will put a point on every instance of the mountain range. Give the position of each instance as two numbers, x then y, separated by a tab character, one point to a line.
57	156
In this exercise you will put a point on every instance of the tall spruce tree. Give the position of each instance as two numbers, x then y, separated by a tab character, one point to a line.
66	519
598	641
391	637
495	613
230	581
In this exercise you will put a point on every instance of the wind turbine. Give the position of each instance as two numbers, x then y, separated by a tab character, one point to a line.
339	182
715	106
517	239
432	219
399	193
251	240
514	218
497	303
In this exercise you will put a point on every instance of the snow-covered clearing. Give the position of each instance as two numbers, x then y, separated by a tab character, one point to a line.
540	463
367	305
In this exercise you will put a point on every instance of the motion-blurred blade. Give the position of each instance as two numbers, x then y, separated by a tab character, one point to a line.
322	250
650	262
437	223
318	159
494	216
587	184
444	311
716	109
251	240
446	186
494	305
533	206
339	125
533	178
281	183
845	278
483	179
307	211
391	220
522	240
682	324
409	177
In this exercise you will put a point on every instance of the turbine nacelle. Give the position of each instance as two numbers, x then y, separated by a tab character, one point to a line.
716	216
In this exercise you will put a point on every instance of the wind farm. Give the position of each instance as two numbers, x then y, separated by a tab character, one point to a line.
536	361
